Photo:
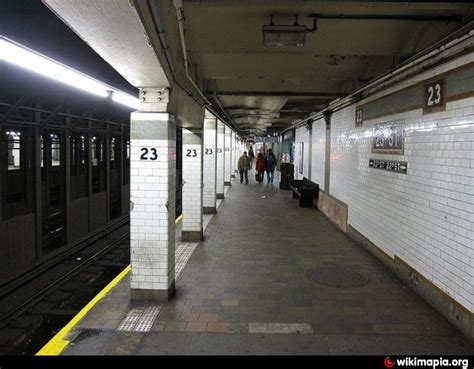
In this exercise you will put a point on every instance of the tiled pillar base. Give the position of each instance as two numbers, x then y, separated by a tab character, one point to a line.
192	236
209	209
153	295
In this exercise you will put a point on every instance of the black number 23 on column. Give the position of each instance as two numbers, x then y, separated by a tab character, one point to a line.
148	154
191	153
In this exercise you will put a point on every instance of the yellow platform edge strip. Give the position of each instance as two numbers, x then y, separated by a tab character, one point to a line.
58	343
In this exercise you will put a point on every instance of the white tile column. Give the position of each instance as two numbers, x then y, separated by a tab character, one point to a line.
227	156
232	154
237	154
220	160
210	165
191	230
152	195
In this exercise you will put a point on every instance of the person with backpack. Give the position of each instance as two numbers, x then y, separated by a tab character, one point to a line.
270	164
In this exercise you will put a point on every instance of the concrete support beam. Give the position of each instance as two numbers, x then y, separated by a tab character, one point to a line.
233	153
220	160
152	216
227	156
192	230
210	165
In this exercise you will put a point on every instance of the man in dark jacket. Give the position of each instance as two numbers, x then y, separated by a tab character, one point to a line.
270	164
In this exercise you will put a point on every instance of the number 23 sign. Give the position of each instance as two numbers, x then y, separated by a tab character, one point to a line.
434	96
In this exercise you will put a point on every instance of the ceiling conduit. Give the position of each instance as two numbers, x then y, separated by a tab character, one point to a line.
164	45
444	44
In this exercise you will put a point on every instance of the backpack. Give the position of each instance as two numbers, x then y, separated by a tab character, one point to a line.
270	161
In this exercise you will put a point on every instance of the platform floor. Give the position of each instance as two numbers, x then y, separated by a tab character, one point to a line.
244	291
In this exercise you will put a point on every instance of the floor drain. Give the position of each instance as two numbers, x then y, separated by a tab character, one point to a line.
335	277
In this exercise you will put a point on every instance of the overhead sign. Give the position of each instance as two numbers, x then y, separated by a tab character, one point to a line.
359	117
388	138
434	96
389	165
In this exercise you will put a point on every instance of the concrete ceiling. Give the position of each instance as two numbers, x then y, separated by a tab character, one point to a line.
115	32
264	89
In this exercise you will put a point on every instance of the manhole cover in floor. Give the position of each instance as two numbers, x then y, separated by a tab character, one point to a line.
334	277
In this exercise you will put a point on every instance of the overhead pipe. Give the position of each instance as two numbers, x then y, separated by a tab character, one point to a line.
178	5
444	44
165	47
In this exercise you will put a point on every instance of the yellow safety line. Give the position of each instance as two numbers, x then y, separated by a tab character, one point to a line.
58	343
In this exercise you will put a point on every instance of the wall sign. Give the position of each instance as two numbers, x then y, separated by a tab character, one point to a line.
148	153
388	138
389	165
191	153
434	96
359	117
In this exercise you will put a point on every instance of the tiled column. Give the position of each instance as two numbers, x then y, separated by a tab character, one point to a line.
237	153
152	216
210	165
192	186
232	154
220	161
227	156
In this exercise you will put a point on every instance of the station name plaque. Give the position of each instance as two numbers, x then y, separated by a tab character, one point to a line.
388	138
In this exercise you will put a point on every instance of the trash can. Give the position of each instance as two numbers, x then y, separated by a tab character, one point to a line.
286	175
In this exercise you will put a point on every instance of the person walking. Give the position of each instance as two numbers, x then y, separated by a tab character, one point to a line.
260	167
244	166
270	164
251	156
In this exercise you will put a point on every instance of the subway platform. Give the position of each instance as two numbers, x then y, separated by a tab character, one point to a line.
270	278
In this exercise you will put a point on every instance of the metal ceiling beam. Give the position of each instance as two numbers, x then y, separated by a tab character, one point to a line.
324	95
53	114
22	100
396	17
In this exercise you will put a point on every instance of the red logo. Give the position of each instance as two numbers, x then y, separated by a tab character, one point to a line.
388	362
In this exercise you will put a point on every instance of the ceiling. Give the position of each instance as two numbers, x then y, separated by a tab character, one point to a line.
264	89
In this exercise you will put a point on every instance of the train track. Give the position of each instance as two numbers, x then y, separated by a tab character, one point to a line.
32	314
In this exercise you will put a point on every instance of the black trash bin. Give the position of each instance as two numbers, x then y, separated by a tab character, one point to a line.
286	175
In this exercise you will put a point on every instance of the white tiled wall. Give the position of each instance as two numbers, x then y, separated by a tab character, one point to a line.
210	139
192	188
220	158
152	232
318	153
227	154
425	217
301	135
232	153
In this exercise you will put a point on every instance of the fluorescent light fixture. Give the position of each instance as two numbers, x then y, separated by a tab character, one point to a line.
24	57
125	99
284	35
